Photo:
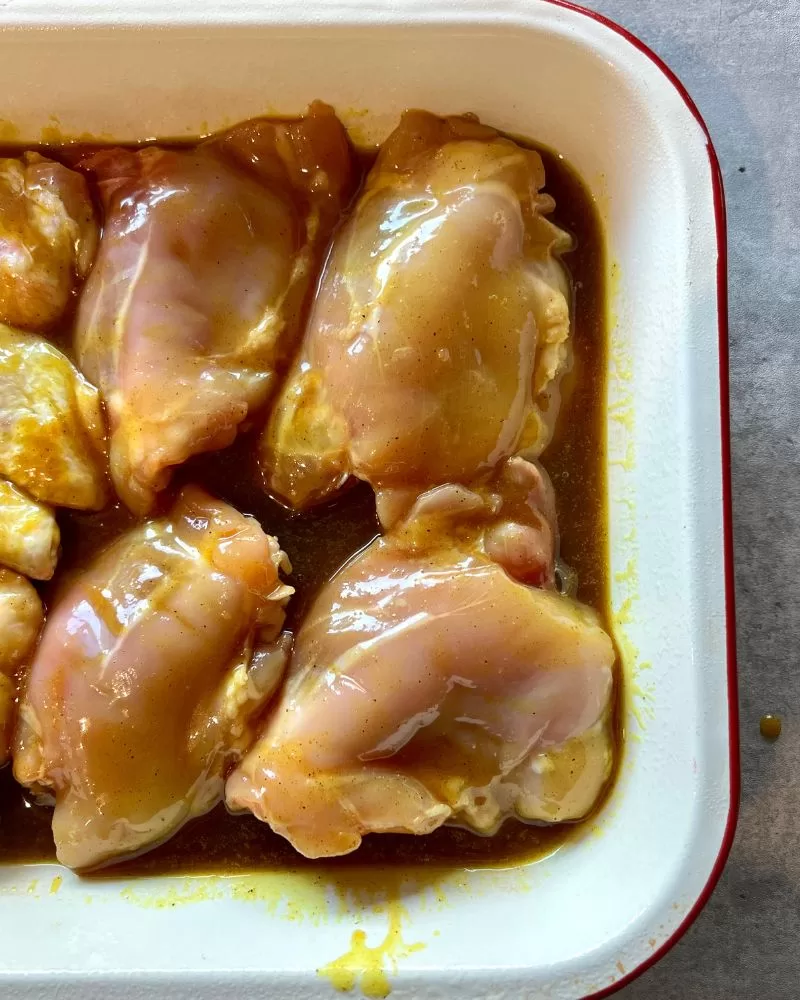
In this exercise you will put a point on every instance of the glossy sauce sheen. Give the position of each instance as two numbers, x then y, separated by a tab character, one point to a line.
319	542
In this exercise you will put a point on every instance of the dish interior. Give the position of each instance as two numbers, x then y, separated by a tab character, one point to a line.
320	541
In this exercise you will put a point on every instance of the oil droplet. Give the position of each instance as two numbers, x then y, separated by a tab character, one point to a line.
770	726
365	966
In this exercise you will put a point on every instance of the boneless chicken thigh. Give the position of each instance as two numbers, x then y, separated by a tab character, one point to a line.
21	618
205	261
48	237
430	685
52	433
149	673
440	328
29	535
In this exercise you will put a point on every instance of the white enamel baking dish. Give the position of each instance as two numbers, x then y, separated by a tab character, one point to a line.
586	919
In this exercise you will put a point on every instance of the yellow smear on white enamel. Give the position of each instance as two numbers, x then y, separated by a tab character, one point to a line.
637	701
368	966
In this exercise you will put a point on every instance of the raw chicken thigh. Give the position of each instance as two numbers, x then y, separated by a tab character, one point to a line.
151	668
29	535
52	435
430	685
21	618
440	327
205	262
48	237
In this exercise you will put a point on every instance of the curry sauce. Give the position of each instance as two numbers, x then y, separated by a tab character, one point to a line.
320	541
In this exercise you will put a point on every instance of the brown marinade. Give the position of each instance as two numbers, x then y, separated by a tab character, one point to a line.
319	542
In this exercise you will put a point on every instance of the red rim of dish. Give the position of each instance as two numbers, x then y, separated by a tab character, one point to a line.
727	519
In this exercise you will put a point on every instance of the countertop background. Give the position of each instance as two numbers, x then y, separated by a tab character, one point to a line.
740	61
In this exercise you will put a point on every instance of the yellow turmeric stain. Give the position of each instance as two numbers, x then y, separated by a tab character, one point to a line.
637	697
368	966
627	575
626	460
354	891
359	127
361	889
9	132
624	613
55	885
293	896
56	134
52	133
190	890
622	413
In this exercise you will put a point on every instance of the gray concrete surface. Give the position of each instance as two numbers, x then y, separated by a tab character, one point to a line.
740	60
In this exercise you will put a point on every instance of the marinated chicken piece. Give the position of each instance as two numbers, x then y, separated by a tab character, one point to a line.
429	685
150	671
440	328
29	535
48	238
510	519
52	435
206	258
21	618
